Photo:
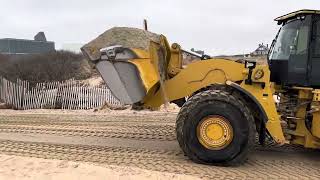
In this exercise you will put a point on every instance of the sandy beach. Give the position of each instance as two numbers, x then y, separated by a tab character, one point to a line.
25	168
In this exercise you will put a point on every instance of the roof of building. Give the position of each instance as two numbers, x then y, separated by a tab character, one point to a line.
262	47
39	37
29	40
296	13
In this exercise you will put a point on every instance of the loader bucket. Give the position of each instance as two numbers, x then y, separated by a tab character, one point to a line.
122	56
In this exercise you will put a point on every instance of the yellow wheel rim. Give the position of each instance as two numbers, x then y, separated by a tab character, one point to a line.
214	132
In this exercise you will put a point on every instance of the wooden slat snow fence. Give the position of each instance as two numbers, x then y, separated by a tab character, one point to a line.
70	94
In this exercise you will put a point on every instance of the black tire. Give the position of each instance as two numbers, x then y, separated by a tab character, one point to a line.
221	103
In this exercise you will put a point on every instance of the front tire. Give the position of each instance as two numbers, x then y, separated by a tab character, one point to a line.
215	127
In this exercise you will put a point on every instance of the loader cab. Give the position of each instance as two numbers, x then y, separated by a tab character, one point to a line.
294	57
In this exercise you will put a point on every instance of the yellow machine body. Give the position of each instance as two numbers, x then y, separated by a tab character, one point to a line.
175	82
225	102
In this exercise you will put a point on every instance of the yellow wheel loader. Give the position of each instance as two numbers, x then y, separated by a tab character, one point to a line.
229	103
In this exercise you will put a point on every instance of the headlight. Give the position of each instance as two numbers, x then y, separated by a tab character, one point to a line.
258	74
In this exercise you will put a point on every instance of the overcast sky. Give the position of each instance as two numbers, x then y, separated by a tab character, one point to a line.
218	27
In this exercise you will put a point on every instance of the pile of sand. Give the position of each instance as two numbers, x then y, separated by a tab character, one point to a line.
124	36
170	107
94	81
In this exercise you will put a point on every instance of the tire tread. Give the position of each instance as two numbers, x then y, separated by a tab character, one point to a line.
219	94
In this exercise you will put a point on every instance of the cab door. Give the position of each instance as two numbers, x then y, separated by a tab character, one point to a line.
290	54
314	75
299	54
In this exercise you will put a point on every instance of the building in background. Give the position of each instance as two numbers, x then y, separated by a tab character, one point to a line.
24	46
262	50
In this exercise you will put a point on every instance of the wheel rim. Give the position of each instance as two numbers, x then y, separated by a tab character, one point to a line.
215	132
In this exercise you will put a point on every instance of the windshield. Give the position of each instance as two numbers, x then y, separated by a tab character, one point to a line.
292	39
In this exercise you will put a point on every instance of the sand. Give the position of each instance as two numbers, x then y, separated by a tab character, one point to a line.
89	112
24	168
124	36
94	81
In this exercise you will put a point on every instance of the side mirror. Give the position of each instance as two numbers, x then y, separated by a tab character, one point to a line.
250	65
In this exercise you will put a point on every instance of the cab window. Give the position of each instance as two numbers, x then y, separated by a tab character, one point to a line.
316	37
293	39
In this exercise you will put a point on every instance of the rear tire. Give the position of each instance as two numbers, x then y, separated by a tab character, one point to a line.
216	103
